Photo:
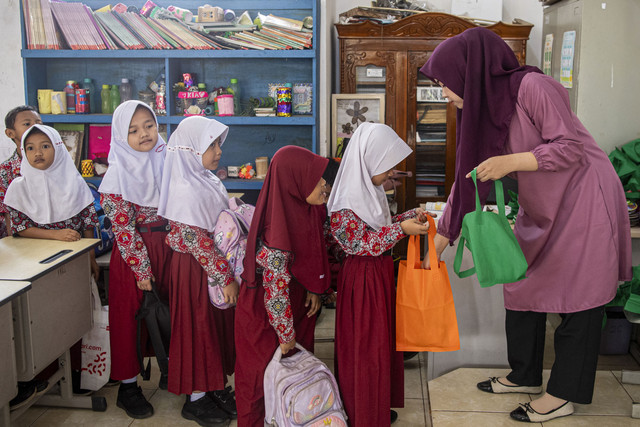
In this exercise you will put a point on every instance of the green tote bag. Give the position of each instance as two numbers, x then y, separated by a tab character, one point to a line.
497	257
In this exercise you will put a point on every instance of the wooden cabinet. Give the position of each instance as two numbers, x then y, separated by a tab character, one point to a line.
377	58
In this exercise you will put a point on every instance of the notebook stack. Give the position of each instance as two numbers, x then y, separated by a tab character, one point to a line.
120	28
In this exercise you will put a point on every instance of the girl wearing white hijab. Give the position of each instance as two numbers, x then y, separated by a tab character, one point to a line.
130	194
365	317
50	200
202	347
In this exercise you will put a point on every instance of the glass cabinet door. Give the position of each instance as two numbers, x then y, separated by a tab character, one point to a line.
431	132
371	79
431	140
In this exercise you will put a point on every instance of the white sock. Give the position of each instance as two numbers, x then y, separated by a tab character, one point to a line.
130	380
196	396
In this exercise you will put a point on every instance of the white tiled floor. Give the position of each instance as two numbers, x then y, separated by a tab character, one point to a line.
450	400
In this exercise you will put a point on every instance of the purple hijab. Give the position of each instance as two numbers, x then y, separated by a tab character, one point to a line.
481	68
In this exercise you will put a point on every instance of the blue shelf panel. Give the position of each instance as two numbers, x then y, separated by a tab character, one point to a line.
169	53
230	184
86	118
228	120
242	184
252	121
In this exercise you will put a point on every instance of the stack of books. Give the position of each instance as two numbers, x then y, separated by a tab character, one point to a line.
41	31
265	111
81	29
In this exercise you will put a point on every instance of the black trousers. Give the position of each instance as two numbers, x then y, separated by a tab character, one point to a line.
576	344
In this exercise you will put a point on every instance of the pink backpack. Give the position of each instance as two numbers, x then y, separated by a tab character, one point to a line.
301	391
230	235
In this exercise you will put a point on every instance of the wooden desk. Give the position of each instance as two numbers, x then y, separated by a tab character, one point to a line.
54	314
8	375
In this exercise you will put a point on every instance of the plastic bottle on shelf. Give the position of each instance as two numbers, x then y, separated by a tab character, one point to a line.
70	94
126	90
161	106
115	98
235	90
105	95
92	96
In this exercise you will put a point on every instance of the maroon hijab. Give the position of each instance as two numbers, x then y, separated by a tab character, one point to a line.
284	220
479	67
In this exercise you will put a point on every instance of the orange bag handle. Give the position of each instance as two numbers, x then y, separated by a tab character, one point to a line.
413	257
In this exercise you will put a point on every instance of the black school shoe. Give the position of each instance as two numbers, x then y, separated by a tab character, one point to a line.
226	400
131	399
164	381
26	392
205	412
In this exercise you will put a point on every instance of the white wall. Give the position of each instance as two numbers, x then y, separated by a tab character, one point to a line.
11	76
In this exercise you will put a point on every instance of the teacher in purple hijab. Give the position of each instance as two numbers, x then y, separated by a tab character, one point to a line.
572	225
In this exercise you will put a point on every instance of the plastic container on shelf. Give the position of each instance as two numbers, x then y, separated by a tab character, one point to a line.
92	95
283	108
105	96
115	98
126	90
161	106
202	102
147	97
234	88
225	104
70	95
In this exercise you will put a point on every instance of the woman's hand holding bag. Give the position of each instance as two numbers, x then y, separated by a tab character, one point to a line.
497	256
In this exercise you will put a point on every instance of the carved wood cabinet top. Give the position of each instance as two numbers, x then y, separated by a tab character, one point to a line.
429	25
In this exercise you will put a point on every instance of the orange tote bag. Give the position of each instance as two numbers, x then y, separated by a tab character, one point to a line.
425	312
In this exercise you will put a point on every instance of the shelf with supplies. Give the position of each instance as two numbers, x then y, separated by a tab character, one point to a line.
257	73
227	120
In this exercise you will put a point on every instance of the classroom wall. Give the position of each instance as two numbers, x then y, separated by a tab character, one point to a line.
11	76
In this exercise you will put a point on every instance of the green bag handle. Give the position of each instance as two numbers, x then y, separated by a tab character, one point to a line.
457	263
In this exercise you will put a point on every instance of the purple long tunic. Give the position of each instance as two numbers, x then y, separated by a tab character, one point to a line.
573	224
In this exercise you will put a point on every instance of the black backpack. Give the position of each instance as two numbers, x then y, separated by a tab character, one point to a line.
155	313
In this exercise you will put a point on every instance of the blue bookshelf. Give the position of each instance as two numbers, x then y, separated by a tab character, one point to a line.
249	137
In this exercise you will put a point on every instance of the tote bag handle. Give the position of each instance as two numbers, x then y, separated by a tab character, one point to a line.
413	248
457	262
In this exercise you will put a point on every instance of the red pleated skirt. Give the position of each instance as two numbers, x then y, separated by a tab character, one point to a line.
202	351
125	299
256	342
369	371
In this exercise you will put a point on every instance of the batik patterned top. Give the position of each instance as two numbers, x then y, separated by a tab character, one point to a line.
85	220
275	280
198	242
125	216
355	237
9	170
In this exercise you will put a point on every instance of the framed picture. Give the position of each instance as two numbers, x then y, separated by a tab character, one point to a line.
350	110
430	94
73	141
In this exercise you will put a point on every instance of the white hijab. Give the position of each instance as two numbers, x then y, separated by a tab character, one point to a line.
51	195
373	149
135	175
192	194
